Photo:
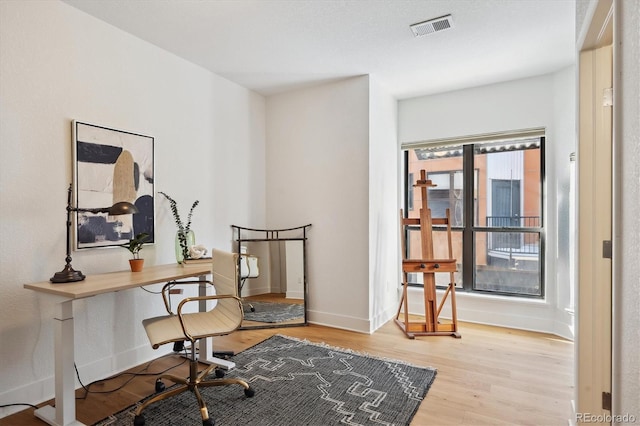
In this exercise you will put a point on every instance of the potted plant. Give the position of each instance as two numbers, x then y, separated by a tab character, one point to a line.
134	246
185	237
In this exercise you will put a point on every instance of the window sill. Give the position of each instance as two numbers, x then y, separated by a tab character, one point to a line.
500	298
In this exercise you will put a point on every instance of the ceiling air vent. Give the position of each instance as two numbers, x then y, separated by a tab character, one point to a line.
432	26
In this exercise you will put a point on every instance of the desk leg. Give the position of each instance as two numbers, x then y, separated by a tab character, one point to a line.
205	347
64	413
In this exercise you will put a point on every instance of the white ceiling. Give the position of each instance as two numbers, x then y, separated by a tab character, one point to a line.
272	46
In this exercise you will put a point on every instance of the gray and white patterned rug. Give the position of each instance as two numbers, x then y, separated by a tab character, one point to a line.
300	383
272	312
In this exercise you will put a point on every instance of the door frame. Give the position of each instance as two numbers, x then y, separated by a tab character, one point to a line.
595	221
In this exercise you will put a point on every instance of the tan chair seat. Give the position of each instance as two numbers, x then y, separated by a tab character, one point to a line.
223	319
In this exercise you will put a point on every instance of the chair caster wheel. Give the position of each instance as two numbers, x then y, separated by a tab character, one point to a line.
219	373
253	309
208	422
138	420
159	386
249	392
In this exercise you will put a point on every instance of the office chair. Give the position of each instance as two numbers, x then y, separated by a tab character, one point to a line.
224	318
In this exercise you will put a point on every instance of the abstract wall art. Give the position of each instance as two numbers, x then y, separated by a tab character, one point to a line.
111	166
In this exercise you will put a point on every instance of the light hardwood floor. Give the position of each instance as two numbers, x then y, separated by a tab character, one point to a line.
491	376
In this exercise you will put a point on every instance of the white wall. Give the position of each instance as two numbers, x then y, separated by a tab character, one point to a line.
384	237
58	64
318	173
558	201
518	104
332	161
626	297
529	103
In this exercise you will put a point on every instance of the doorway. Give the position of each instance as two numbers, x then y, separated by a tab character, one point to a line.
594	180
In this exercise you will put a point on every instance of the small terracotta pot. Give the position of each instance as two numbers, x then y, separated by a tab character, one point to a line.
136	264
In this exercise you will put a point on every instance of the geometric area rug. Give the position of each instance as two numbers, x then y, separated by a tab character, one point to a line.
297	382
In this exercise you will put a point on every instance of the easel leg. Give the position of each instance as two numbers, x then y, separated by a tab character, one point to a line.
431	316
404	306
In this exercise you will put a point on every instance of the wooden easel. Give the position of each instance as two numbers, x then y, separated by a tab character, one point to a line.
429	267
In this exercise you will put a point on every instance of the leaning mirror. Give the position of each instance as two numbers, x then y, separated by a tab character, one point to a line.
273	276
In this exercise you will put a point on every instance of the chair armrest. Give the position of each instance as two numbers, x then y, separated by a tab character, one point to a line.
198	299
168	286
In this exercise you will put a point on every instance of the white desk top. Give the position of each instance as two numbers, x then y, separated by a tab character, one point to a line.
121	280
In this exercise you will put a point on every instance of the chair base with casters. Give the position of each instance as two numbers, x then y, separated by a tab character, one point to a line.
193	383
223	318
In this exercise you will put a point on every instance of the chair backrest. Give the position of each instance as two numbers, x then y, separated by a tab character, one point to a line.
225	272
227	313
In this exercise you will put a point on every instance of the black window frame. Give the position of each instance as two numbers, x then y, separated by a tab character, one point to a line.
469	228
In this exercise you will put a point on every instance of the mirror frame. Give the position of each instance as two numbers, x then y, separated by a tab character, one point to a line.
252	235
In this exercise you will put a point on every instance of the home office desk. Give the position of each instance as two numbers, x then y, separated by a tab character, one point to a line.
63	295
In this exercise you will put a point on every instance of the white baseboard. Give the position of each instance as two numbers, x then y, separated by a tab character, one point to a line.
343	322
295	295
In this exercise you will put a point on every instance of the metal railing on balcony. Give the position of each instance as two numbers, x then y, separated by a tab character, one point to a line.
513	221
513	243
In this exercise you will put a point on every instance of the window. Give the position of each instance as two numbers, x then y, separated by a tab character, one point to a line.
410	194
447	195
497	227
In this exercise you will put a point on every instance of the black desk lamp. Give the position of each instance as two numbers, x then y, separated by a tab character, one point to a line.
68	274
